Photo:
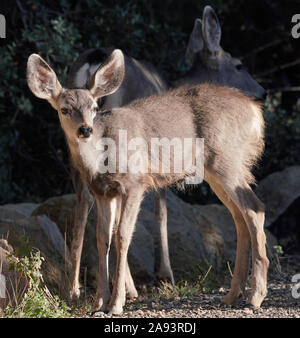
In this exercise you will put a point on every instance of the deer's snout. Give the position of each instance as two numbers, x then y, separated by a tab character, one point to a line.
85	131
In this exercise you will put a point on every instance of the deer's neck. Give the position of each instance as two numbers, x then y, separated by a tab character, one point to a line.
84	155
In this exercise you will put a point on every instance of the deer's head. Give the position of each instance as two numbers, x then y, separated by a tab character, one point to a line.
76	108
209	62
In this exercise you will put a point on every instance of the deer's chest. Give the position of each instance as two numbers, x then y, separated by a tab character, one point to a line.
86	157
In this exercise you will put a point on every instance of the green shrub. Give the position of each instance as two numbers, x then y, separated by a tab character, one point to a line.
37	302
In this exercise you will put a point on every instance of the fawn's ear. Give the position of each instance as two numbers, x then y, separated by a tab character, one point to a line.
42	80
109	75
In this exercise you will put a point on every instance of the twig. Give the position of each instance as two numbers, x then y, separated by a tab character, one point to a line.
281	67
229	268
13	120
207	272
284	89
262	48
262	80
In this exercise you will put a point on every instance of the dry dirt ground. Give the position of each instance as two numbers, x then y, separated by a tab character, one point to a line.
278	304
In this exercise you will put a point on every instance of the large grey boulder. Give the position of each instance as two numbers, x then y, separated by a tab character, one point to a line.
19	210
39	232
278	191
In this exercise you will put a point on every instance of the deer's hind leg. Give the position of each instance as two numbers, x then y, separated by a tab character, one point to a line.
254	214
241	267
252	210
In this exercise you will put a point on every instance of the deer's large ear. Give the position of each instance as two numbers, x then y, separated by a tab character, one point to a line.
109	75
195	44
42	80
211	29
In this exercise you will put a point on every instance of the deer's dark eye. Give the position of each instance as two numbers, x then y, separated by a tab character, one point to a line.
239	66
96	110
65	111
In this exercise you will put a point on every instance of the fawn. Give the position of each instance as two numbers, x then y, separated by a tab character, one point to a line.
232	127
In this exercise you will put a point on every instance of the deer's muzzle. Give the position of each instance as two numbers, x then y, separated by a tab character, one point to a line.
85	131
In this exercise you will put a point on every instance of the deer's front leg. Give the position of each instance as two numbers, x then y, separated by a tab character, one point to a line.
161	212
130	210
80	215
106	220
131	291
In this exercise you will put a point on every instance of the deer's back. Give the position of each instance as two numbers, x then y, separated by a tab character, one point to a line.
209	111
230	123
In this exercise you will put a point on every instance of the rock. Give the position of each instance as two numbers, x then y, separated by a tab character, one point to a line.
287	230
218	229
58	209
194	242
278	191
13	285
15	211
271	243
141	251
41	233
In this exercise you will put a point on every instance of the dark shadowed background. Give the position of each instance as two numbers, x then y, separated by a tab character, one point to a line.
33	153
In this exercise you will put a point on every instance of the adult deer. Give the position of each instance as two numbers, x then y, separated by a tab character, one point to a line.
232	127
208	62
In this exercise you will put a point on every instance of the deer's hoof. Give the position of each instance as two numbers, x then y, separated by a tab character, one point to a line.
166	276
115	310
131	294
233	298
255	300
250	306
74	294
100	305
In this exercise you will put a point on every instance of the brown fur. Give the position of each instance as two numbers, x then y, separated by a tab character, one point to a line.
232	127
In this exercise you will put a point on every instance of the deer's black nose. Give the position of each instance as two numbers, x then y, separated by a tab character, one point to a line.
85	131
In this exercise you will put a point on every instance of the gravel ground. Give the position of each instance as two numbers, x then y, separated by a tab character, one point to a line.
278	304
